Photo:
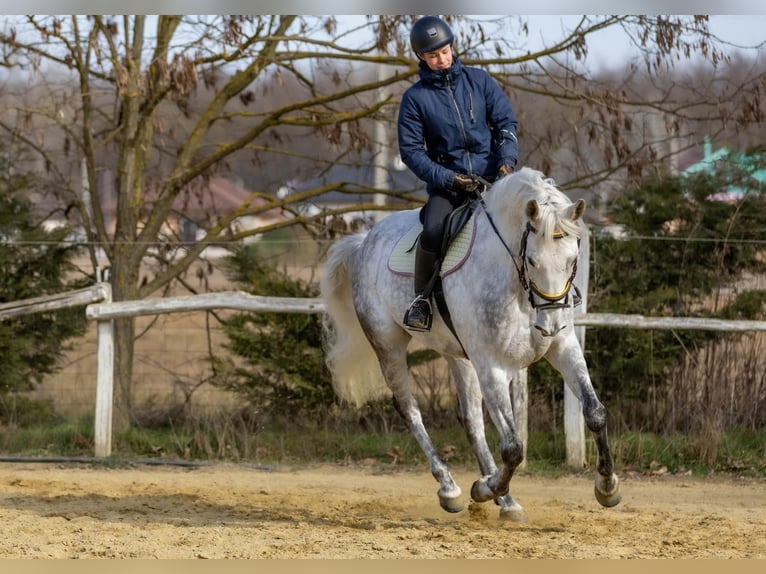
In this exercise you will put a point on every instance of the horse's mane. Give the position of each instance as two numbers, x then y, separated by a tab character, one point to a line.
510	196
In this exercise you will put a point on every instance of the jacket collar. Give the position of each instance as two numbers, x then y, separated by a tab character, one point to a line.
440	77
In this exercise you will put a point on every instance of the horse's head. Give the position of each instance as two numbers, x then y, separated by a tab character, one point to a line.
548	253
548	227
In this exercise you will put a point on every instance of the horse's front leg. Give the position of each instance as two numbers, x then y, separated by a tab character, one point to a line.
607	487
471	417
569	361
494	386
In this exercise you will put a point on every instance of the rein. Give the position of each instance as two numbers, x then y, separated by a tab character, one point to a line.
554	300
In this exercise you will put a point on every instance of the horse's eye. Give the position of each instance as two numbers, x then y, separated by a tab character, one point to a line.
531	262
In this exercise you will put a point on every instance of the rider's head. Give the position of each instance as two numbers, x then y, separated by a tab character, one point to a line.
431	39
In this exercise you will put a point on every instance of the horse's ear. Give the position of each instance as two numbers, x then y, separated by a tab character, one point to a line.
533	210
577	209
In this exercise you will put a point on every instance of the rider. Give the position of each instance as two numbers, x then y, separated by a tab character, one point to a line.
454	124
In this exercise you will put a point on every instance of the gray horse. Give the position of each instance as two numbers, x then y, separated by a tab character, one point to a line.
511	303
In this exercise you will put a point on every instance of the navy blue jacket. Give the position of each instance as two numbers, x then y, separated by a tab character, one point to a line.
456	121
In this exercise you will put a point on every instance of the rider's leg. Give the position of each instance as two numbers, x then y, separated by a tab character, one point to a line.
427	261
419	314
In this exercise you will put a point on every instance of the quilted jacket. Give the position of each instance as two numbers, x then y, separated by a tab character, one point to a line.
456	121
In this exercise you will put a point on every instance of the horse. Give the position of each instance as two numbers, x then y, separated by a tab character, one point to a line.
509	301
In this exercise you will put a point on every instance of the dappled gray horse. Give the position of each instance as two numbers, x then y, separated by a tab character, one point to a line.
511	299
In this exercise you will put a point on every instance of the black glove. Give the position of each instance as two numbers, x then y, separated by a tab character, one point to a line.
503	170
465	183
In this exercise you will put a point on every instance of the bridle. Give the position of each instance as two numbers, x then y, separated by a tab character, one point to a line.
552	300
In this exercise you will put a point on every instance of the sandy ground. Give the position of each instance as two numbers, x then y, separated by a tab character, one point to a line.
79	511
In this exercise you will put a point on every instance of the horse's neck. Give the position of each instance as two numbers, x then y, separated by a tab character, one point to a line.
496	245
502	230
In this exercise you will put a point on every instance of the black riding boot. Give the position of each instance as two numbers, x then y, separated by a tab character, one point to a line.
419	315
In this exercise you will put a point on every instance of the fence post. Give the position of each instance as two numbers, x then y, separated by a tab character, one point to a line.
104	385
574	424
520	401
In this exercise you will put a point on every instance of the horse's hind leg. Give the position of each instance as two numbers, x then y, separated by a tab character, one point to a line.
494	383
471	416
397	376
393	363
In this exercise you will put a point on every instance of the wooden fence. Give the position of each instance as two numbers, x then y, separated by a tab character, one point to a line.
99	307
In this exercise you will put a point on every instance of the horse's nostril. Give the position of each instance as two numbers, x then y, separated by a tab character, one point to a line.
548	333
558	330
543	331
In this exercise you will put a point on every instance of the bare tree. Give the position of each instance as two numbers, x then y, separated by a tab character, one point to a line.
162	103
608	127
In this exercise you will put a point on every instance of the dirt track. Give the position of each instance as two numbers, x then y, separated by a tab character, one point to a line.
75	511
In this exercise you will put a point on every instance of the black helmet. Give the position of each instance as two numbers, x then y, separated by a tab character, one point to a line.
430	33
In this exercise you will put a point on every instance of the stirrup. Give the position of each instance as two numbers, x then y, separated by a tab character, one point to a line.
419	323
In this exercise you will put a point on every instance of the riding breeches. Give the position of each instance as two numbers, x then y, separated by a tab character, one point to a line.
434	216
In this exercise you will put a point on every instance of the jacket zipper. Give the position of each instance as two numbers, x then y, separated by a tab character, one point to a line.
451	90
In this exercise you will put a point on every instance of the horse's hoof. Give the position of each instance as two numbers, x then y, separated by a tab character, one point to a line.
510	510
450	499
609	499
513	514
481	492
451	504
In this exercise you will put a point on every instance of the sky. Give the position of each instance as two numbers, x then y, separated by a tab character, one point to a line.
387	6
743	31
739	29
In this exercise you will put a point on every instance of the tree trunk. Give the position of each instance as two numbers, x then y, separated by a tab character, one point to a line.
124	288
124	342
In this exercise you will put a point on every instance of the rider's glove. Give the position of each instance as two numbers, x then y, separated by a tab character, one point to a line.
503	170
465	183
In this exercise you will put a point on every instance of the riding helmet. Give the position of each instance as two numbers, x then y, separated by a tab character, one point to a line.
430	33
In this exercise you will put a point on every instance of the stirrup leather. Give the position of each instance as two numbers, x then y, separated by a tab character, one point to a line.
419	323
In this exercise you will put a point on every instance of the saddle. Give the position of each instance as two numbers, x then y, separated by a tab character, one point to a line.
456	247
456	244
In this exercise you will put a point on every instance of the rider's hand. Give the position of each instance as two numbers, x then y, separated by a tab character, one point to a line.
465	183
504	169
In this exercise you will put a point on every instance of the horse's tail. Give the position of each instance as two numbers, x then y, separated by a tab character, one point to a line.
356	374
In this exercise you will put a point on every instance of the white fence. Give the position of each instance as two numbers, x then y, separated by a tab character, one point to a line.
96	293
99	307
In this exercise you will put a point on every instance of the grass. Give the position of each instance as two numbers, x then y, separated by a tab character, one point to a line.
741	453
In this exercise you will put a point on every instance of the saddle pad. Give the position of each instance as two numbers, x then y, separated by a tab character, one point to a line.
402	258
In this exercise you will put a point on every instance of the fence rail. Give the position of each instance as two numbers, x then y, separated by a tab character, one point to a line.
643	322
237	300
92	294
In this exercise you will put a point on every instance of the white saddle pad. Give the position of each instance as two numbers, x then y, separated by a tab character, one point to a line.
402	258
